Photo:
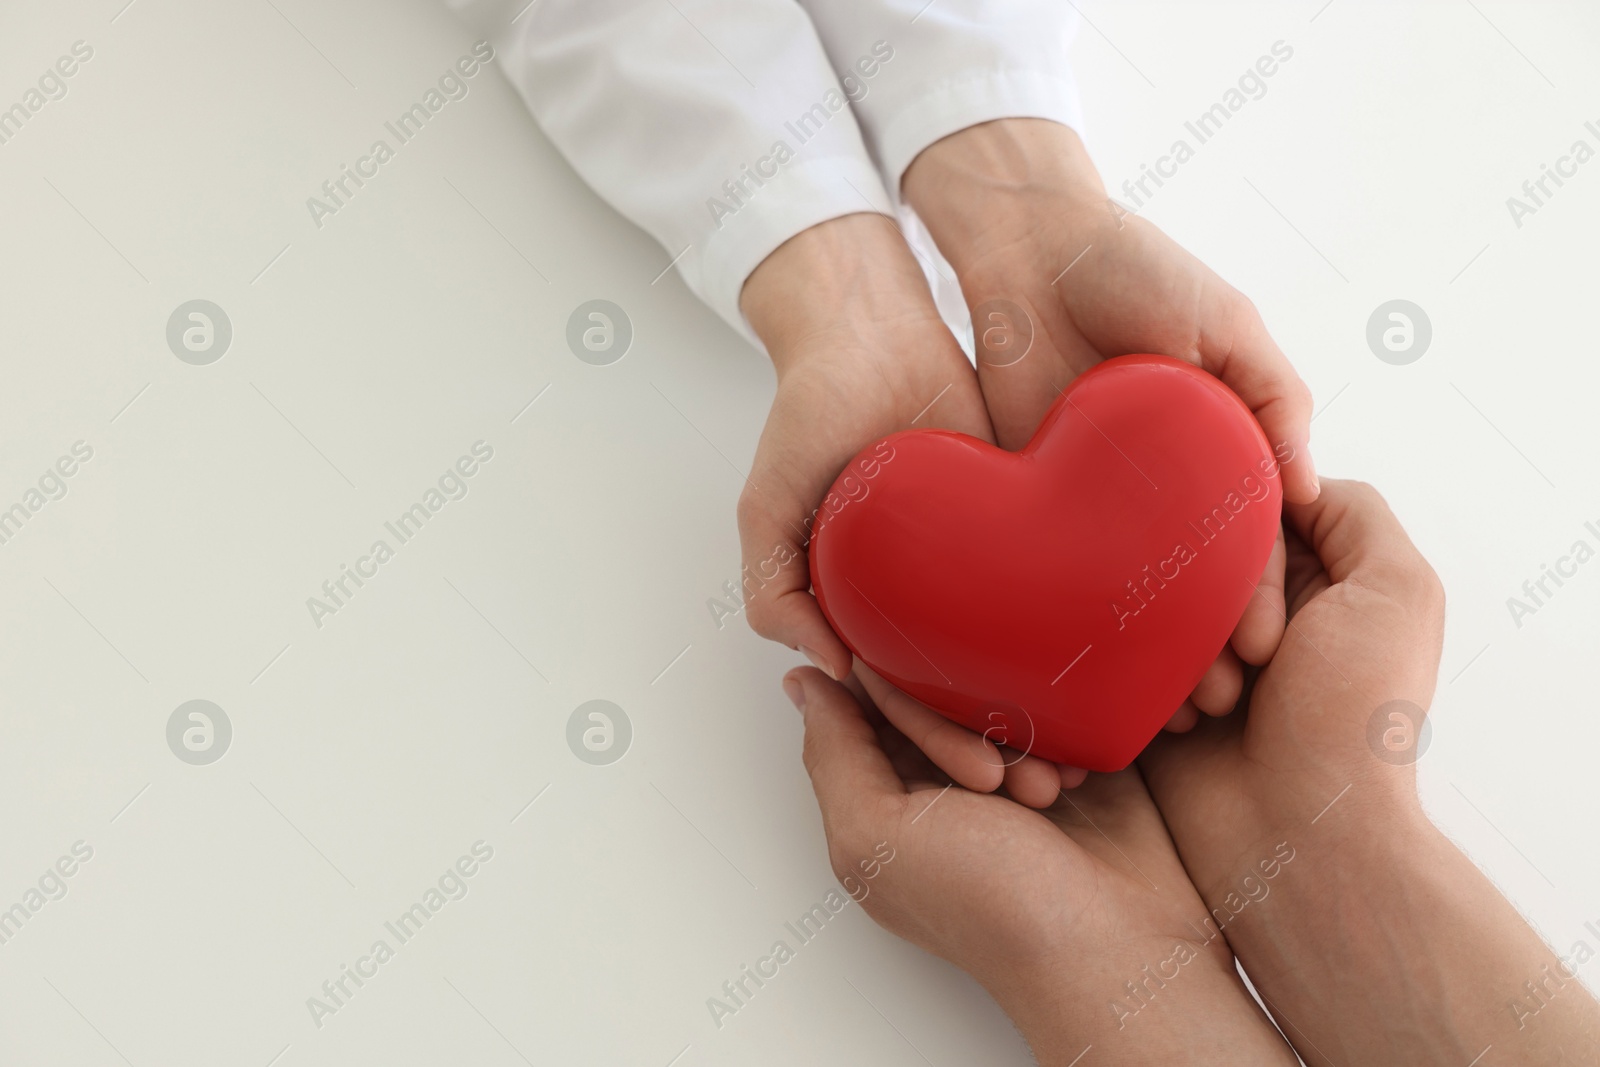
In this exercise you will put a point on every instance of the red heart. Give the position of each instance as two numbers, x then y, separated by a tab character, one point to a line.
1064	599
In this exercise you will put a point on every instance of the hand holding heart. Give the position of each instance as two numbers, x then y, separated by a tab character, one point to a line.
1019	210
1033	904
860	353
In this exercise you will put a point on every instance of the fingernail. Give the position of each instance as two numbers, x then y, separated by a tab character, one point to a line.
795	692
818	662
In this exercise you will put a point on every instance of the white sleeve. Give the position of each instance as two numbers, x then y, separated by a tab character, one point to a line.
955	63
715	125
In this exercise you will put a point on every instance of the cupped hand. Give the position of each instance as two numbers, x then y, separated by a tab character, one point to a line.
1386	944
1060	913
1058	278
860	353
1337	713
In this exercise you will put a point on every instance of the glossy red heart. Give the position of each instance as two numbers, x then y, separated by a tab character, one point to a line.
1064	599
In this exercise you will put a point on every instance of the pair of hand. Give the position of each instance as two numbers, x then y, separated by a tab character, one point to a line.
1289	836
1110	920
861	352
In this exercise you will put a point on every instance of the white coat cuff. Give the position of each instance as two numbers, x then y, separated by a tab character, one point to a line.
804	193
968	100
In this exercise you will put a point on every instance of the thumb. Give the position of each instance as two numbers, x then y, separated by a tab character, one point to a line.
1255	368
847	765
1355	534
775	579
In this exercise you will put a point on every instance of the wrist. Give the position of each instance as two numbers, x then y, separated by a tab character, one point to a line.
1171	1000
990	185
842	278
1238	842
1319	857
1393	915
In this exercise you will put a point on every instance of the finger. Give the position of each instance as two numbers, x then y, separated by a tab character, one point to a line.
842	755
1168	761
1031	781
1221	685
775	583
1261	626
970	759
1303	576
817	424
1253	366
1071	777
1354	534
1184	718
913	766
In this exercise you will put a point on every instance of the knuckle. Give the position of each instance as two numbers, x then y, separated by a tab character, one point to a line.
748	510
1428	590
811	756
1363	497
762	614
1411	584
1244	313
1300	397
840	854
850	841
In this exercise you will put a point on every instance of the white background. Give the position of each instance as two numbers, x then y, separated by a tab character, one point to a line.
370	353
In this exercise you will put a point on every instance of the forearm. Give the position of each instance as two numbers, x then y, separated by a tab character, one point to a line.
1172	1001
1383	943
